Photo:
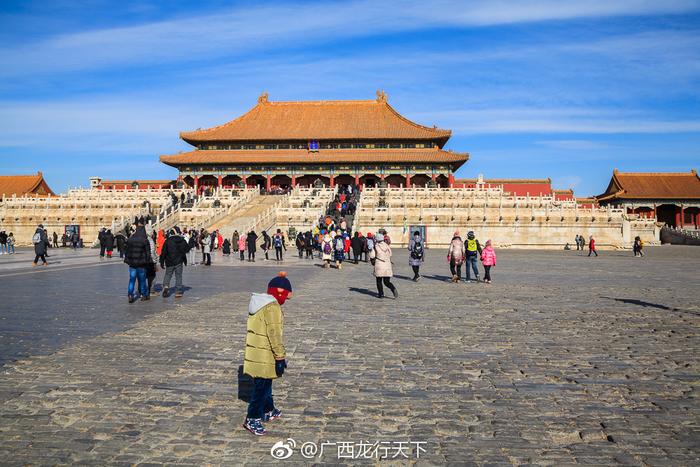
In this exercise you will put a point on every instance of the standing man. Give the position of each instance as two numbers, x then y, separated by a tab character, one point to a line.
473	254
578	243
3	243
55	239
278	242
101	239
138	256
173	258
264	351
109	242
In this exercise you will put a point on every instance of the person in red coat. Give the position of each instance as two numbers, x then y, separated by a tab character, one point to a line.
591	246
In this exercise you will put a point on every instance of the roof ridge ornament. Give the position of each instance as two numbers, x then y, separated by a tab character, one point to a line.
263	98
381	96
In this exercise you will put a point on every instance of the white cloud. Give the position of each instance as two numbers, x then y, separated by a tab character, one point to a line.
253	29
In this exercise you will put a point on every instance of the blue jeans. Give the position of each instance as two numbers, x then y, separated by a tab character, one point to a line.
3	248
140	274
261	399
11	249
472	262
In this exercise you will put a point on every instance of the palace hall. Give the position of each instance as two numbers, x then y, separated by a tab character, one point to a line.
302	143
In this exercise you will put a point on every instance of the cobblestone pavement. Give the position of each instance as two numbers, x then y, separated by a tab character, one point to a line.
563	359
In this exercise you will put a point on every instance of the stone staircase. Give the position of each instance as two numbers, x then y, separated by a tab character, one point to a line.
247	217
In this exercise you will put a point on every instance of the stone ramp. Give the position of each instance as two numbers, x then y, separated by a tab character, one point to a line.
242	218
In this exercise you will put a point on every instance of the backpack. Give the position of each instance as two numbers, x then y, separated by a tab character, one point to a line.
277	240
327	248
370	244
417	250
36	238
339	243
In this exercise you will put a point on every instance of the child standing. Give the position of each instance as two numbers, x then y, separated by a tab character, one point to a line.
488	258
264	351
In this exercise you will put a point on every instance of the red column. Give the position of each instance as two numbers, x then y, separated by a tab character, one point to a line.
697	220
357	180
196	182
332	178
269	182
219	180
655	213
408	181
451	180
433	176
381	176
682	217
678	218
245	180
294	181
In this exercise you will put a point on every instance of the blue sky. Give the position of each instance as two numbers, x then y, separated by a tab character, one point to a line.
531	88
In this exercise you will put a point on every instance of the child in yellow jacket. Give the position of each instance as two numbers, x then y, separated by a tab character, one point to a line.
264	351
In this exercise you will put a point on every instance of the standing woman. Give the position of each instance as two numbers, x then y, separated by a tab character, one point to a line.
151	267
252	238
206	249
416	254
455	255
383	272
234	241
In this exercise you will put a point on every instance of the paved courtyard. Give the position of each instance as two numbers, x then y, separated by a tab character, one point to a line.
563	359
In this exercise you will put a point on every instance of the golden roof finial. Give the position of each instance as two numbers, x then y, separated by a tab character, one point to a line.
381	95
263	98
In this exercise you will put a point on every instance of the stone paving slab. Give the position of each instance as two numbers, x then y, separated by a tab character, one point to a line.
562	360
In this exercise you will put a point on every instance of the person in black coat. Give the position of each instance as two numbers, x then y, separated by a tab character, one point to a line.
121	244
109	242
356	245
173	258
40	240
138	256
250	245
309	244
101	239
226	247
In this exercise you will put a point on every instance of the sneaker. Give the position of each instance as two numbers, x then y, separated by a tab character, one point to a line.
178	294
380	296
132	299
145	298
396	293
166	293
254	425
274	414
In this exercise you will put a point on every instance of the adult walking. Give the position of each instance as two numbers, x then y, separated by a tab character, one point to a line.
356	245
173	259
455	256
40	240
300	244
120	239
279	244
138	256
152	266
327	251
416	253
591	246
473	248
109	243
266	244
638	246
250	245
383	272
101	240
55	240
309	244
